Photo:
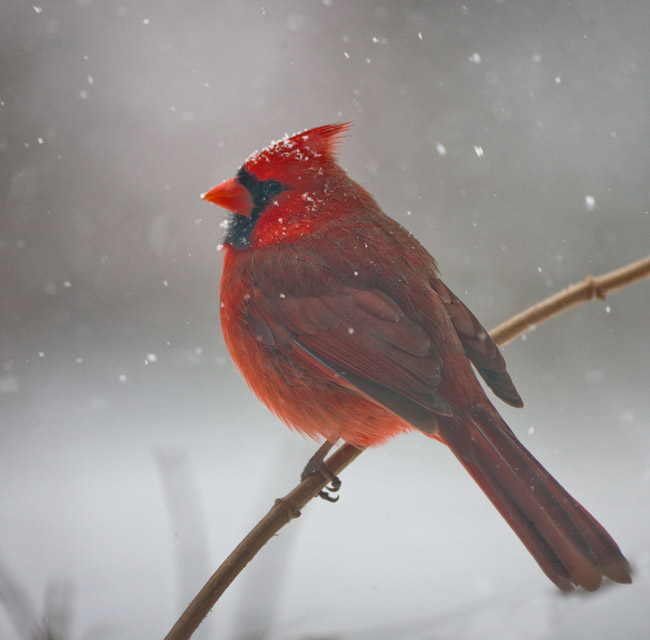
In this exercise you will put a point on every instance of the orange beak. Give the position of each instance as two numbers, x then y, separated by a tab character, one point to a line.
231	195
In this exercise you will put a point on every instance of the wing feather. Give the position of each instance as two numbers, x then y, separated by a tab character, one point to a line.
361	336
479	346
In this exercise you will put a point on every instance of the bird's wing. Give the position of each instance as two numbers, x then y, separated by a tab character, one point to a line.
479	346
360	338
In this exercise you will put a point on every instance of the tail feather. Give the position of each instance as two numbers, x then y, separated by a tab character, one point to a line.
570	546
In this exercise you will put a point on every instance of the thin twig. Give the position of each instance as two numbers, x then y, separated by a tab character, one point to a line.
288	508
283	511
591	287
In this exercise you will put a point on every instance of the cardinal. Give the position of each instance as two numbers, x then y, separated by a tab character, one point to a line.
338	320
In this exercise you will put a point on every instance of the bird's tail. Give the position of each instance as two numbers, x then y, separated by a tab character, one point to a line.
570	546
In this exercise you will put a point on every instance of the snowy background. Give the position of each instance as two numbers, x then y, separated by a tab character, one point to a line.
511	137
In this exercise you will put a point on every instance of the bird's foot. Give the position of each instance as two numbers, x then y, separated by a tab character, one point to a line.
317	464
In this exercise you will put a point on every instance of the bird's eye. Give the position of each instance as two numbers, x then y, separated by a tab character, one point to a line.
272	188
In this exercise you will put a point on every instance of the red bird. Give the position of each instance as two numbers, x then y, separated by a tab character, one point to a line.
338	320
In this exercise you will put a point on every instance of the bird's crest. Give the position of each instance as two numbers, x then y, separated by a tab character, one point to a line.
313	147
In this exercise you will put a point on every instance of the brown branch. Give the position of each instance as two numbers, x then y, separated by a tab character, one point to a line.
286	509
591	287
283	511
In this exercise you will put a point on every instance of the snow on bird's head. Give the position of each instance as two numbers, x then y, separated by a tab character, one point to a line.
311	149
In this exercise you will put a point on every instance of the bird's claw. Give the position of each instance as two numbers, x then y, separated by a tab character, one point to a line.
327	496
333	487
317	464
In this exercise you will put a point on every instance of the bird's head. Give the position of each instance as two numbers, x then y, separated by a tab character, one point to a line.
287	169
